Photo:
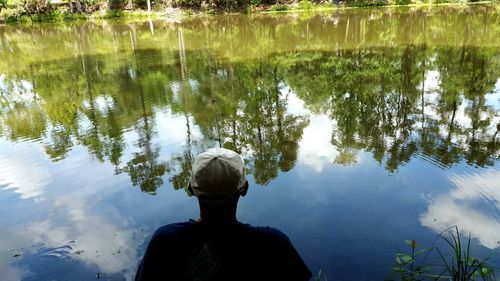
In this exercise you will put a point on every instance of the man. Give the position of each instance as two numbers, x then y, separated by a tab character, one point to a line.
217	246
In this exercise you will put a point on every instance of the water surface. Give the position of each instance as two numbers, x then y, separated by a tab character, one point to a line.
360	129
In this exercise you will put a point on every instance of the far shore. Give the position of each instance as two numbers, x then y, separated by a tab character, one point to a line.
178	14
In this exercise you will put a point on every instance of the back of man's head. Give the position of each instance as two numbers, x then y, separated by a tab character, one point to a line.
218	176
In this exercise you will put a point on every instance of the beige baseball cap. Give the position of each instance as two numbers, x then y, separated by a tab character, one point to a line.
218	172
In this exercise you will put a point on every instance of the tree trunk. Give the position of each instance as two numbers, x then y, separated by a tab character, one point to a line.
78	6
149	6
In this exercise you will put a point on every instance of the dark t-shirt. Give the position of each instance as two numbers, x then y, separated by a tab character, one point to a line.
235	251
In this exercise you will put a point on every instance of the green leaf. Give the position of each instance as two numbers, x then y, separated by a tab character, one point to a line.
422	251
406	258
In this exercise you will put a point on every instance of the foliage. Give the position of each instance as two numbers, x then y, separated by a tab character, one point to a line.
10	14
37	6
410	266
368	3
116	5
373	95
305	5
462	266
457	265
187	3
403	2
3	4
279	7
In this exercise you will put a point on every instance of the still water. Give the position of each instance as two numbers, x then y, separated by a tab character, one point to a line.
360	129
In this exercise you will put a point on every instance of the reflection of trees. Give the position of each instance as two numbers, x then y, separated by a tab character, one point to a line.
144	169
242	106
262	124
375	97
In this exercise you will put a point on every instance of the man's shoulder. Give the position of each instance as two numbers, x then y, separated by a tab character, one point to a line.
175	229
268	232
185	230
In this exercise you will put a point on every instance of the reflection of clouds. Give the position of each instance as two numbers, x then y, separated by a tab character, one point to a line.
80	235
172	129
20	170
97	241
315	147
295	105
10	273
20	92
461	118
431	81
458	208
100	103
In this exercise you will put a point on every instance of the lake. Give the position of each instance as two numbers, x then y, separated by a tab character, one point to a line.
360	128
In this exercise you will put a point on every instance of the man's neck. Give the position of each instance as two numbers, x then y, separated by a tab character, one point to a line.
207	219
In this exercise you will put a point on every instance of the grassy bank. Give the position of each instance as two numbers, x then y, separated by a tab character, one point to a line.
27	11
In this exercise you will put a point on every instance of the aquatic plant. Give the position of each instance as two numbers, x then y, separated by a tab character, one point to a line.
462	266
408	267
456	265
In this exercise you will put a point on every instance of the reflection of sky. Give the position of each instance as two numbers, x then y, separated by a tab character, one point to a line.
20	93
493	99
337	216
72	215
461	118
65	207
473	205
315	148
22	169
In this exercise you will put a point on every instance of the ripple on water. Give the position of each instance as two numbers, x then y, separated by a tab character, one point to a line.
59	252
432	159
472	204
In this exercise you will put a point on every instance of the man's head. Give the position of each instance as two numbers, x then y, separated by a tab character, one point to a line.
218	177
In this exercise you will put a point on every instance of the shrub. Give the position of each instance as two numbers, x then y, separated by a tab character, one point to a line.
48	17
9	13
279	7
3	4
368	3
305	5
37	6
116	5
113	14
69	17
23	19
188	3
402	2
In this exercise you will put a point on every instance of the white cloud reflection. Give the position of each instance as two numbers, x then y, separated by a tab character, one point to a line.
79	233
10	273
97	241
316	150
22	171
460	207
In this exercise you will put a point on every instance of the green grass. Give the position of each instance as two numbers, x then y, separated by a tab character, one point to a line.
462	266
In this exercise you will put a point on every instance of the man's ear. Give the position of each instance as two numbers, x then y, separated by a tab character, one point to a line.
189	190
244	189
